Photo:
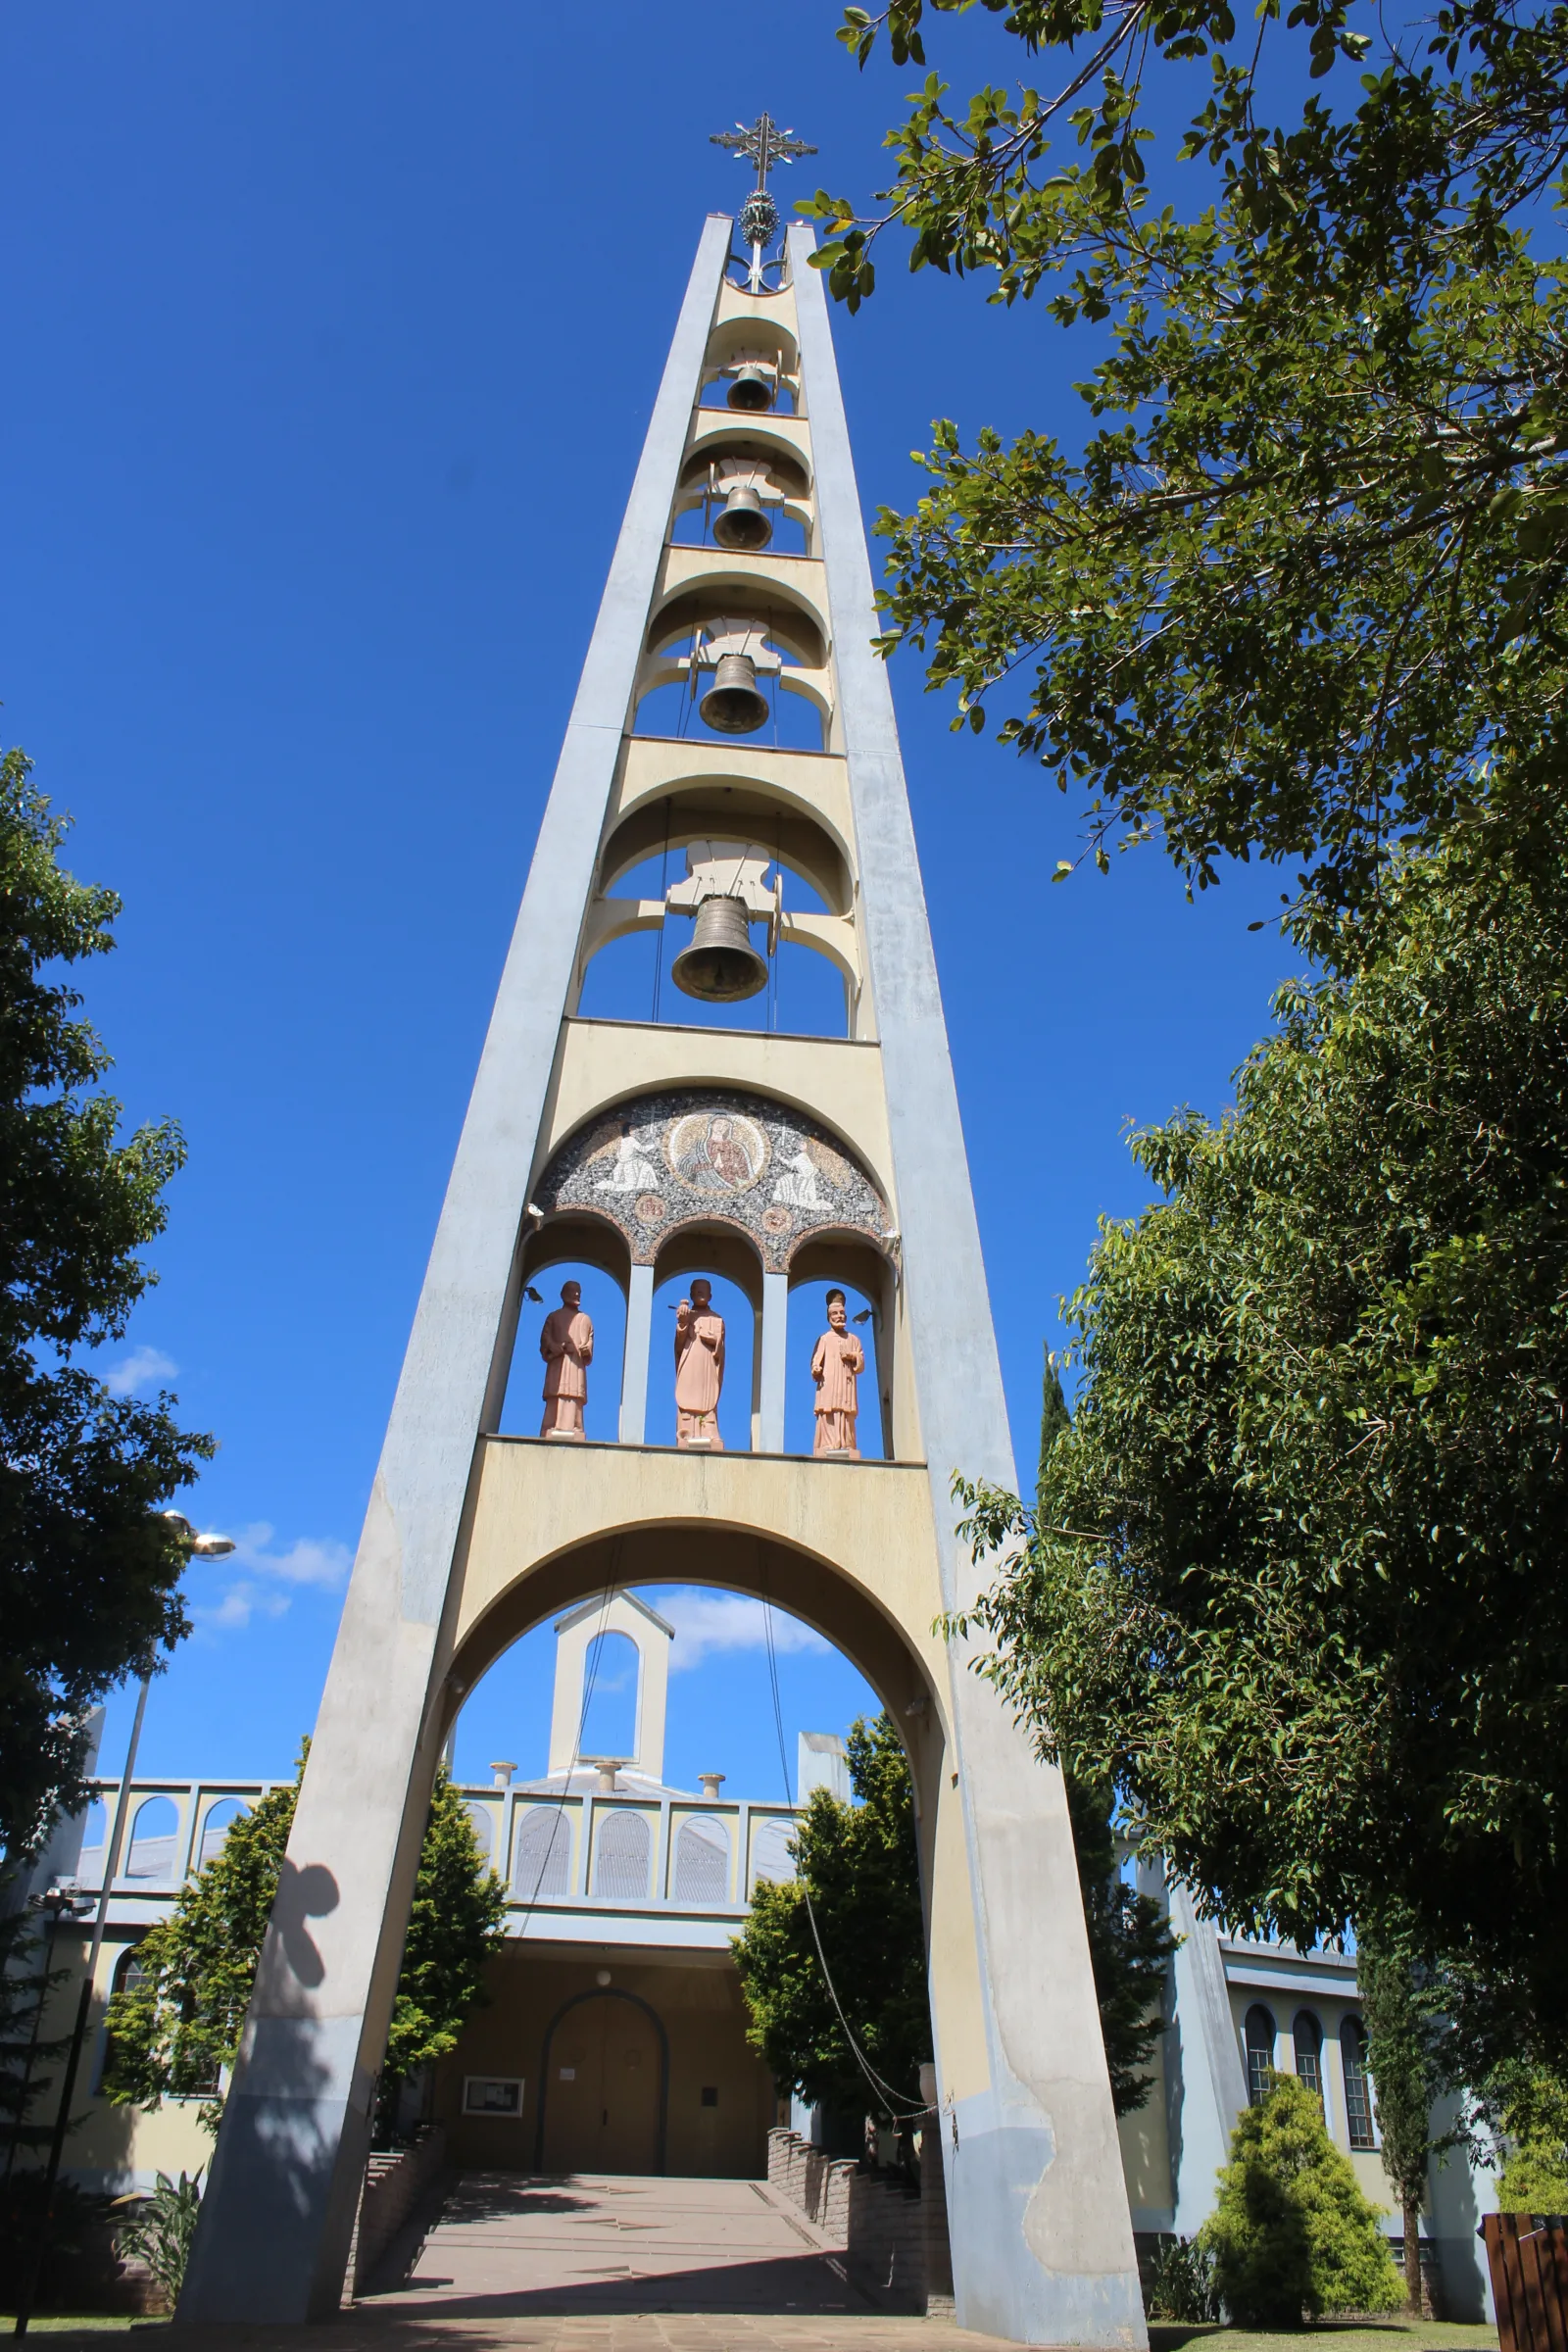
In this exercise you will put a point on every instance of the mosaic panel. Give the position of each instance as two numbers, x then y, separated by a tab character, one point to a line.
657	1162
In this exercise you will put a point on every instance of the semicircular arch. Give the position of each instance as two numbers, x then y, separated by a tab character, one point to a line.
651	1163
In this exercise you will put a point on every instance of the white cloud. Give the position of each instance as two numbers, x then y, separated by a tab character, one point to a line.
709	1623
142	1368
239	1605
309	1560
271	1577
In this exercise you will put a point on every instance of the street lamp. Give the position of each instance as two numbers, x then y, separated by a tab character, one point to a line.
204	1548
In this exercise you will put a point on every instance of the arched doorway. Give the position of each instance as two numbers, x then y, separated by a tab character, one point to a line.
603	2086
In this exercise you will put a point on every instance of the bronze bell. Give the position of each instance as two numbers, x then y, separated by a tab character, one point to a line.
742	523
750	388
732	704
720	964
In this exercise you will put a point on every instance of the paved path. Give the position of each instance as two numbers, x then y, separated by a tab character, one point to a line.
601	2263
598	2243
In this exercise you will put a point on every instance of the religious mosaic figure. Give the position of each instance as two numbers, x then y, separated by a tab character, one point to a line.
567	1344
836	1366
797	1186
633	1171
699	1369
713	1151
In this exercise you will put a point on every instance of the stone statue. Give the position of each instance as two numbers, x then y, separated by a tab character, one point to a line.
567	1344
699	1369
836	1365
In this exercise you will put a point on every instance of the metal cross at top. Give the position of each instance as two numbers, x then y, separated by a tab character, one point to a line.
764	144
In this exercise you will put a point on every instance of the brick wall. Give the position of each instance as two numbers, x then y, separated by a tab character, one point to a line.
895	2244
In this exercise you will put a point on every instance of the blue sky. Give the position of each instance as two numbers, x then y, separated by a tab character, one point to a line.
333	334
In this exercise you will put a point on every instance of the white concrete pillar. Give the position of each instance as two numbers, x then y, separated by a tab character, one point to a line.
775	1362
634	1370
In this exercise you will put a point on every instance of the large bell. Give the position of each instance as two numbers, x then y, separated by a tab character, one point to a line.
751	387
732	704
742	523
720	964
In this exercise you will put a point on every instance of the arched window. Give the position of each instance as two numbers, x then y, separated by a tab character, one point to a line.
1357	2084
1260	2036
622	1851
128	1970
482	1821
152	1840
541	1864
702	1862
220	1819
770	1851
1308	2035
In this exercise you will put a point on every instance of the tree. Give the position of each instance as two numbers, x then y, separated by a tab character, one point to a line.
1302	593
858	1872
1405	2025
1129	1942
1291	2232
1293	1581
27	1980
175	2031
89	1571
1528	2110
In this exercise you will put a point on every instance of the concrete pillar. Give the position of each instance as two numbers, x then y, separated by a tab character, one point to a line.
634	1370
1041	2236
775	1362
278	2212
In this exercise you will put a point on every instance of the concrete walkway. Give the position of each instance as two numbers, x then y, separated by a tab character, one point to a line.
599	2264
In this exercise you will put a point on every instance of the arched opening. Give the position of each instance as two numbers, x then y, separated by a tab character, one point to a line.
632	976
94	1837
153	1833
608	1716
589	1251
217	1822
831	1265
1259	2036
685	1368
673	1867
1307	2037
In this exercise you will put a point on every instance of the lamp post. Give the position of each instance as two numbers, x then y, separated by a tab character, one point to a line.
203	1547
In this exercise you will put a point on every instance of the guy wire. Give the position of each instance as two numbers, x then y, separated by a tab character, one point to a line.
890	2099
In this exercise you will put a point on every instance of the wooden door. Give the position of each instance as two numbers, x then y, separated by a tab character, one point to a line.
603	2089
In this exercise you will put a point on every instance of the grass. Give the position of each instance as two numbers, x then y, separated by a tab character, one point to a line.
96	2322
1337	2335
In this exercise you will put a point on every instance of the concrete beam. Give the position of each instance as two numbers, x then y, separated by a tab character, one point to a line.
276	2218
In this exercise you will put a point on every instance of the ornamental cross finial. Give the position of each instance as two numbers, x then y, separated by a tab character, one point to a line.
764	144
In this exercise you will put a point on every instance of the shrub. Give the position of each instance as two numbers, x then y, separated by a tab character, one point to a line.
161	2231
1292	2232
1179	2283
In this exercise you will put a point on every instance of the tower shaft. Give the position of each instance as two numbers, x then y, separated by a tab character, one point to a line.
650	1149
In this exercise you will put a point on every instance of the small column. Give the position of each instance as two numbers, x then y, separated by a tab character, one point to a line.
634	1370
775	1337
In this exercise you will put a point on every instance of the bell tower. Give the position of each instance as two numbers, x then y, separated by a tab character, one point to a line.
740	600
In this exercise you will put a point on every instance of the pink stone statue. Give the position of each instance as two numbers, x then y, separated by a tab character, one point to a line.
835	1366
699	1370
567	1344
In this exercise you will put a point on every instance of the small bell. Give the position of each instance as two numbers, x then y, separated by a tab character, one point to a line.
732	704
742	523
720	965
752	387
